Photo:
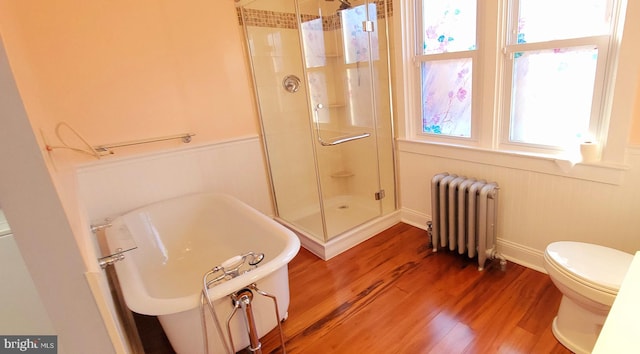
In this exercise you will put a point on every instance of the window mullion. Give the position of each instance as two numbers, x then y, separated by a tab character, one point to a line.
491	36
504	99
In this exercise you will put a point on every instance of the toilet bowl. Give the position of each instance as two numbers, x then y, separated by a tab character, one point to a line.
589	277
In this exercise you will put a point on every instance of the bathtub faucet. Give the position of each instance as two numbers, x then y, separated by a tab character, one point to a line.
228	269
104	262
233	267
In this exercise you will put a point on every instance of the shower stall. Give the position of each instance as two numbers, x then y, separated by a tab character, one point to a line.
322	81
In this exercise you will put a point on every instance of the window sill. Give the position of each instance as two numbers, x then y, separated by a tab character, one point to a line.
596	172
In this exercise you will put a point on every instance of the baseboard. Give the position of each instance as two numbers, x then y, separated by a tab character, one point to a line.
347	240
522	255
414	218
360	234
513	252
307	241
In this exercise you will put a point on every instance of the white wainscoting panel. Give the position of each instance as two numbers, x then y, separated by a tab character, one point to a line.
535	208
111	187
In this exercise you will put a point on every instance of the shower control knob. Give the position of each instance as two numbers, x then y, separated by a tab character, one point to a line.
291	83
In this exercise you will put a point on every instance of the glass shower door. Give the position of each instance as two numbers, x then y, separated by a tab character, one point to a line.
321	75
273	40
339	43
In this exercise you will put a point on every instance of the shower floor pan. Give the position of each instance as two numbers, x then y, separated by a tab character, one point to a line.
349	222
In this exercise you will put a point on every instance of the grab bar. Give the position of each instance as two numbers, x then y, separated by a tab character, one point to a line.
339	140
344	139
186	138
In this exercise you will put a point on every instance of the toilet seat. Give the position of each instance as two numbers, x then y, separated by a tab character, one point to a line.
576	261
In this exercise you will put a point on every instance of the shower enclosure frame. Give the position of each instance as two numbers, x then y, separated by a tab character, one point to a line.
332	244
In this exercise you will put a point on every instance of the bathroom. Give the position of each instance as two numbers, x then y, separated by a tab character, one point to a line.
128	71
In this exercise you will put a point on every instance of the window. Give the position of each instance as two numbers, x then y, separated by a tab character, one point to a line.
544	63
447	50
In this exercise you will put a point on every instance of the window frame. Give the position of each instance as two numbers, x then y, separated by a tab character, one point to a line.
488	107
598	119
419	57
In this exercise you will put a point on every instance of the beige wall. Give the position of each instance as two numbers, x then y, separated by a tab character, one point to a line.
634	133
43	236
124	70
116	71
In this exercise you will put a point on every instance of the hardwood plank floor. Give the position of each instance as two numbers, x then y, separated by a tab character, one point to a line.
392	294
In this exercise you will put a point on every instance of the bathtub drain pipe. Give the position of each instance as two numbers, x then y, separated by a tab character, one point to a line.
278	318
243	299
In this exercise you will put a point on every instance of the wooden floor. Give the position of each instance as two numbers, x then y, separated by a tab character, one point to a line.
392	294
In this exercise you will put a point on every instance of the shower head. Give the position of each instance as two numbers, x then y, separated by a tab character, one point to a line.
344	4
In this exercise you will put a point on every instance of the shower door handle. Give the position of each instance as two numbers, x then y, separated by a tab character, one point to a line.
339	140
342	139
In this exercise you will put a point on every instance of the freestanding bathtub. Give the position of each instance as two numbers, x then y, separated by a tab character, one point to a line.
176	241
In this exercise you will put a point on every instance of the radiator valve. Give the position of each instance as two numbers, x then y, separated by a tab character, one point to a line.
494	254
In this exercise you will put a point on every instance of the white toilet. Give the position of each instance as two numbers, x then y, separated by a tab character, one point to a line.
589	277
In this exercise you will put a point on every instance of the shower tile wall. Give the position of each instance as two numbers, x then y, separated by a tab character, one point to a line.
275	45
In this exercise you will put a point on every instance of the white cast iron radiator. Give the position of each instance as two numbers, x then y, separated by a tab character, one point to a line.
465	216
